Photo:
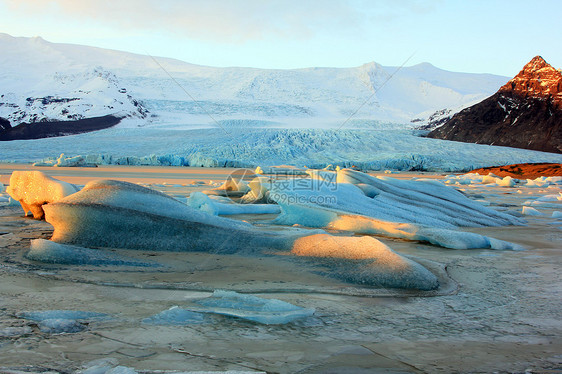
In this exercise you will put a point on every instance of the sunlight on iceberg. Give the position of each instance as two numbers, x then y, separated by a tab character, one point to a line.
33	189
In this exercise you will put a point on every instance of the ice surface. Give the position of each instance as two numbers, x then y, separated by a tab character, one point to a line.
253	308
199	200
55	253
557	214
175	316
33	189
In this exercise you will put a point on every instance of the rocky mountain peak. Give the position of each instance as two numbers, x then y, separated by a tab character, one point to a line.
537	79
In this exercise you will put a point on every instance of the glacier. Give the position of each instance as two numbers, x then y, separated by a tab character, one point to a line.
313	148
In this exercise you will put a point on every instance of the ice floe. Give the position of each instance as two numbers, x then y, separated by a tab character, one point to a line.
492	179
47	251
62	321
388	199
530	211
421	210
252	308
33	189
123	215
368	261
201	201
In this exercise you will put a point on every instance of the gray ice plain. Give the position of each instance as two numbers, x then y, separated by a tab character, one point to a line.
290	301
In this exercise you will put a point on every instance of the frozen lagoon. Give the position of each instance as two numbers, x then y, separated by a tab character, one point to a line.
500	312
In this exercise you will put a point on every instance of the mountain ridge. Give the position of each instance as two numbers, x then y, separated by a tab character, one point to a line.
317	97
526	112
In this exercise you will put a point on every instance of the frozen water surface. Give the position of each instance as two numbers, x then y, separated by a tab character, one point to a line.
499	311
175	316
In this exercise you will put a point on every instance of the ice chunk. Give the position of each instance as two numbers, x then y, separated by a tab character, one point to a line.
99	366
61	326
55	253
199	200
62	321
33	189
9	332
123	215
420	202
121	370
506	181
557	214
530	211
538	182
202	202
252	308
551	197
316	216
175	316
258	191
489	179
234	184
369	261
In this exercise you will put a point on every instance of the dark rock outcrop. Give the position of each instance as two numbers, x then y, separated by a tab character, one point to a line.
38	130
4	124
525	113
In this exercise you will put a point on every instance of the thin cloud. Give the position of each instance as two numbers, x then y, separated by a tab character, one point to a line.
212	20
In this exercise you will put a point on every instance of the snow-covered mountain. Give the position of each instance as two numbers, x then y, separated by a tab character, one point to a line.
176	113
40	80
39	83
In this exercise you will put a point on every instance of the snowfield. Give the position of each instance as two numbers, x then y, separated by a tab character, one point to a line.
182	94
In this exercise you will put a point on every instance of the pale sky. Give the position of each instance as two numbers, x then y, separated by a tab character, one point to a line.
480	36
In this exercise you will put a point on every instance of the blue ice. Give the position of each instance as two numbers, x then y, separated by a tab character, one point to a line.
175	316
253	308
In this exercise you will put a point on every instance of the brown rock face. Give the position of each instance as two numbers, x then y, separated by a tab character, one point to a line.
537	79
525	113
